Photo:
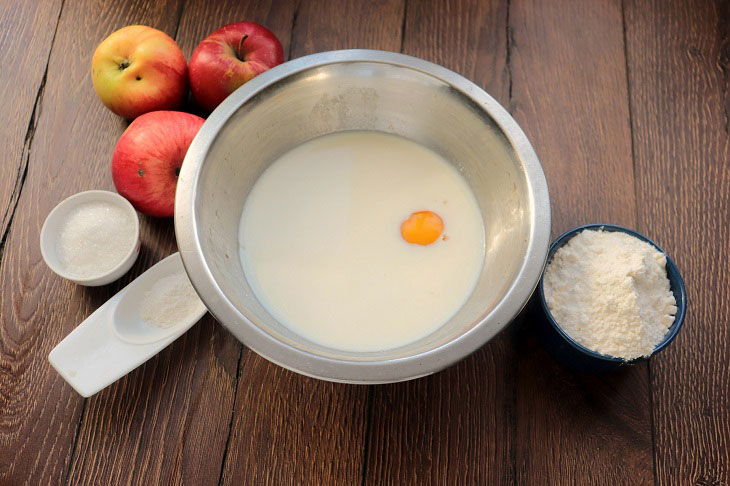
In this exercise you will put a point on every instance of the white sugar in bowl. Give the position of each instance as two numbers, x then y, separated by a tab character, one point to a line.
91	238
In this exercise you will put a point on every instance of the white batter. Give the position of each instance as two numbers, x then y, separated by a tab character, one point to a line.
322	250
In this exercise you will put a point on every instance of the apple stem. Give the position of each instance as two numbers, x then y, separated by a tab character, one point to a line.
240	46
124	65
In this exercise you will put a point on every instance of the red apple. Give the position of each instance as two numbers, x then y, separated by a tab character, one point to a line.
229	57
148	157
139	69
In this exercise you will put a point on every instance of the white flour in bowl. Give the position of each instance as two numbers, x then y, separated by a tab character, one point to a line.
609	291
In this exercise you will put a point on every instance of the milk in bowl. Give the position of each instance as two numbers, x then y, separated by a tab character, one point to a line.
361	240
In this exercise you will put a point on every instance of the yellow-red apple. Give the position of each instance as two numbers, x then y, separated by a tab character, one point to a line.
229	57
138	69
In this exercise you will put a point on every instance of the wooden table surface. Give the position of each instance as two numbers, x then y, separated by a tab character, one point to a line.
628	107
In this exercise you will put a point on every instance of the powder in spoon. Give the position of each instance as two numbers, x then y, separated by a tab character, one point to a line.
94	238
609	291
170	301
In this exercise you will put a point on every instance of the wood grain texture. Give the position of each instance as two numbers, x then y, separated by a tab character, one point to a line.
167	421
679	61
465	36
454	427
289	429
70	152
26	34
570	96
569	93
321	25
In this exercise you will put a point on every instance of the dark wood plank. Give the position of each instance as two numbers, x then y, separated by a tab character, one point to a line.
679	63
454	427
289	429
26	34
569	93
347	24
168	422
71	151
467	36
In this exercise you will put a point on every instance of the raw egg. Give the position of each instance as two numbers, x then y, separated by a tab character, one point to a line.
422	228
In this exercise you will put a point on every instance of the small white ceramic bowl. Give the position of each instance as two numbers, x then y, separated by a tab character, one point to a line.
52	226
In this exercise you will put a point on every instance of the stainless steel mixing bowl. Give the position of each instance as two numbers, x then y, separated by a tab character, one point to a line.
363	90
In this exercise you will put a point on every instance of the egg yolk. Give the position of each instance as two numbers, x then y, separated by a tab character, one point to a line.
422	228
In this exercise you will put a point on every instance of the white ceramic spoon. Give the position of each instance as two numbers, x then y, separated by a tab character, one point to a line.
115	339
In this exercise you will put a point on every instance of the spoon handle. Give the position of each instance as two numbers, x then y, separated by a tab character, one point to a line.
94	355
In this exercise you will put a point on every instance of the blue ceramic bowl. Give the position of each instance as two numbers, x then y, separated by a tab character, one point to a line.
578	357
